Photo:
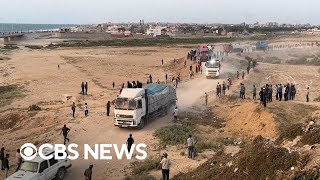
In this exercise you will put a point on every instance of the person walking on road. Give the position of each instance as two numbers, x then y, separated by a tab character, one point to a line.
190	143
88	173
73	108
86	110
206	98
130	141
175	114
108	108
165	166
65	131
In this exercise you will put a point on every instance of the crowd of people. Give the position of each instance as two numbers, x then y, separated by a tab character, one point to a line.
284	92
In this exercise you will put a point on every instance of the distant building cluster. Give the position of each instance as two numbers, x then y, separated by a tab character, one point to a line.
145	30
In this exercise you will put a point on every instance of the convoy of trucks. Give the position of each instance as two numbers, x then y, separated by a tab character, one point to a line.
213	68
204	53
135	106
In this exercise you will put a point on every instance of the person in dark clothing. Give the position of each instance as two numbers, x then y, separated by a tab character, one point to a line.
277	93
150	78
6	165
122	85
286	93
242	74
130	141
108	108
73	108
139	84
162	61
261	96
86	87
190	67
129	85
217	90
65	132
237	74
248	69
265	96
166	78
88	173
307	94
113	84
280	88
2	154
293	92
82	88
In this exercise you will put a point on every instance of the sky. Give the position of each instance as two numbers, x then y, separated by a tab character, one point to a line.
188	11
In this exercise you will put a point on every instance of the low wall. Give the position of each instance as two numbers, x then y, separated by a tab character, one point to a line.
82	35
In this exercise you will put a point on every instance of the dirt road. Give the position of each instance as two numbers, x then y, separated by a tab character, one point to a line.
99	129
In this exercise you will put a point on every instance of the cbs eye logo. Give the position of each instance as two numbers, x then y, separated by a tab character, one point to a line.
28	151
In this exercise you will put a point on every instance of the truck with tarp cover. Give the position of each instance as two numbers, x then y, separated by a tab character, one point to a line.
135	106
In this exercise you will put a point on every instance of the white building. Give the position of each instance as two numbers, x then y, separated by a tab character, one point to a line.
156	31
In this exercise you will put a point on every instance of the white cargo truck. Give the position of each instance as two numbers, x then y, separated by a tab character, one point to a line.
135	106
212	68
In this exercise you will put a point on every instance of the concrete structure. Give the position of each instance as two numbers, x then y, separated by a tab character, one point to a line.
11	37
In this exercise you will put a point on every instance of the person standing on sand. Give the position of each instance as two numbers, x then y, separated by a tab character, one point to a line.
73	108
88	173
242	74
307	94
165	162
108	108
190	143
280	88
58	66
2	157
130	141
206	98
162	61
6	165
86	87
113	84
82	88
150	78
166	78
65	132
175	114
254	92
86	110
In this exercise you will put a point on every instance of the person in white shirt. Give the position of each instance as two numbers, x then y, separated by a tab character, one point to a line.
85	108
190	142
19	159
175	114
165	162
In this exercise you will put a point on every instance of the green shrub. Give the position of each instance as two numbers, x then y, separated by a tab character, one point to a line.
173	135
141	167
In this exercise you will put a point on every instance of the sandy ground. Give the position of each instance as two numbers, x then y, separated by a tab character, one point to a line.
46	85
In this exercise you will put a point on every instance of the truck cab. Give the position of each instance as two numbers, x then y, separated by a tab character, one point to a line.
212	68
130	107
40	169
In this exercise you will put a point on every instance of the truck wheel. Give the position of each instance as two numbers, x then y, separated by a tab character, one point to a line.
142	122
60	174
